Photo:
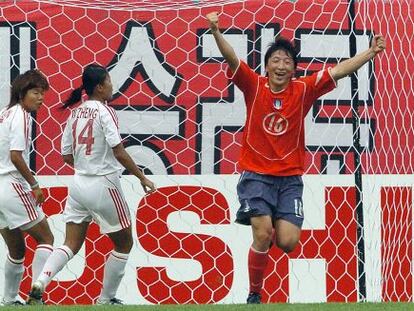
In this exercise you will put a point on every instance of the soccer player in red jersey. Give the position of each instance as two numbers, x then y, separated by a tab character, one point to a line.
273	149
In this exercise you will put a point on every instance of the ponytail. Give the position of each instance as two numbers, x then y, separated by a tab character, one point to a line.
92	75
74	97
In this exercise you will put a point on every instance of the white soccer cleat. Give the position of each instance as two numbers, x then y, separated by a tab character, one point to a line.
112	301
16	302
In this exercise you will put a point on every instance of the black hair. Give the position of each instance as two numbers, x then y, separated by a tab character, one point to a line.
23	83
92	75
283	44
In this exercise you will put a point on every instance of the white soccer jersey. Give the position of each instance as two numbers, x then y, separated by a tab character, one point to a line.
90	134
15	134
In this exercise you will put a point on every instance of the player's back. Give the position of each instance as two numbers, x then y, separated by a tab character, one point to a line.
90	134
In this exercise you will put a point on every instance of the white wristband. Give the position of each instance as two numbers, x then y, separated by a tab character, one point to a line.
34	186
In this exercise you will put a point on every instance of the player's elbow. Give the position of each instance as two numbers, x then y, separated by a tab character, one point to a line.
119	157
119	152
337	73
68	158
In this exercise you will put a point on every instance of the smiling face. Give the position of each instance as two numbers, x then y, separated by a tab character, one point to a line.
33	99
280	69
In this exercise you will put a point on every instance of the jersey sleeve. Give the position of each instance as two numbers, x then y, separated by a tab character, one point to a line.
245	79
110	128
19	130
318	84
67	139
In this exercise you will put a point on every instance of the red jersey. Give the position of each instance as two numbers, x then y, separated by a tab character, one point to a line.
274	137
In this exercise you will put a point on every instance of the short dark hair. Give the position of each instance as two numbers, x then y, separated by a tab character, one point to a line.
23	83
283	44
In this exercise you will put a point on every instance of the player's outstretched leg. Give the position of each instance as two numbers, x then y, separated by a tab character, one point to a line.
13	272
113	274
75	236
115	266
14	265
44	238
258	256
257	263
53	265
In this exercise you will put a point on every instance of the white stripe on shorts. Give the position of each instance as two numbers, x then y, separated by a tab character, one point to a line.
28	202
120	207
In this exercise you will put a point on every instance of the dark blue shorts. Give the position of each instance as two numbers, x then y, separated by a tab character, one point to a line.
277	196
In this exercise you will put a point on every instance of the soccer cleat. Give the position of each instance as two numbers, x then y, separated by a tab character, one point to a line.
254	298
35	295
112	301
14	303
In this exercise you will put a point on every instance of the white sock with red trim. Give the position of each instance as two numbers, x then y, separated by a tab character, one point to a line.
41	255
113	273
57	260
13	273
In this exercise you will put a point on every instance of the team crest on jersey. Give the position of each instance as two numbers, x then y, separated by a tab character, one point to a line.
277	103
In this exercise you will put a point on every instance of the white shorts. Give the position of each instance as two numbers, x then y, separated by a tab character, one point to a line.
99	198
18	208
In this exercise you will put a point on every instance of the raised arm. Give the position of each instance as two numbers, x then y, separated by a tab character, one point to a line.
353	64
225	48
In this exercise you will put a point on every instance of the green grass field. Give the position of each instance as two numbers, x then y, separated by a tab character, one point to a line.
264	307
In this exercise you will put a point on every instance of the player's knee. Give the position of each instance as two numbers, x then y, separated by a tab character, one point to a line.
47	238
41	233
286	245
127	245
73	245
124	248
124	245
263	238
17	252
287	248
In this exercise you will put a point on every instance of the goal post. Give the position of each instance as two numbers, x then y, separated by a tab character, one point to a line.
181	119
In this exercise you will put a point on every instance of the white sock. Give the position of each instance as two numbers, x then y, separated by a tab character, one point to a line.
113	273
41	254
13	273
57	260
